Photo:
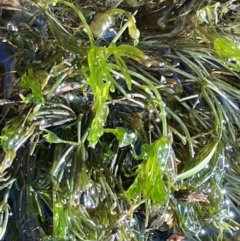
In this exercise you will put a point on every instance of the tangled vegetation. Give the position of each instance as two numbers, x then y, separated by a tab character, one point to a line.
119	120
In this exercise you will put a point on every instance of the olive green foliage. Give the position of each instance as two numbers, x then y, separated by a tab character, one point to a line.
105	131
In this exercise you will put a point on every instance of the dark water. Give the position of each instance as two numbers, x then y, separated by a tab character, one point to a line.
7	69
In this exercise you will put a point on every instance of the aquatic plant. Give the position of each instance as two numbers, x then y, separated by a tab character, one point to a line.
113	138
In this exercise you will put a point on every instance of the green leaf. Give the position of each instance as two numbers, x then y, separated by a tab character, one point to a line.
229	52
126	50
226	48
133	32
52	138
124	69
149	181
7	160
60	224
82	180
123	137
205	158
9	131
29	82
96	129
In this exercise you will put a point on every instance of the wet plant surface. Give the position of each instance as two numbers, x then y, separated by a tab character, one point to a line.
119	120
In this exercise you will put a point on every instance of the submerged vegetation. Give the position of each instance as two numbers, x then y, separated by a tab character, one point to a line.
119	120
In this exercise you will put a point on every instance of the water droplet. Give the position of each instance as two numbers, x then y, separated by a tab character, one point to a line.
227	165
11	26
71	97
231	214
224	191
227	202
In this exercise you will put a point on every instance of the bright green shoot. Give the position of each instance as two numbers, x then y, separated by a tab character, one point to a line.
101	81
149	181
